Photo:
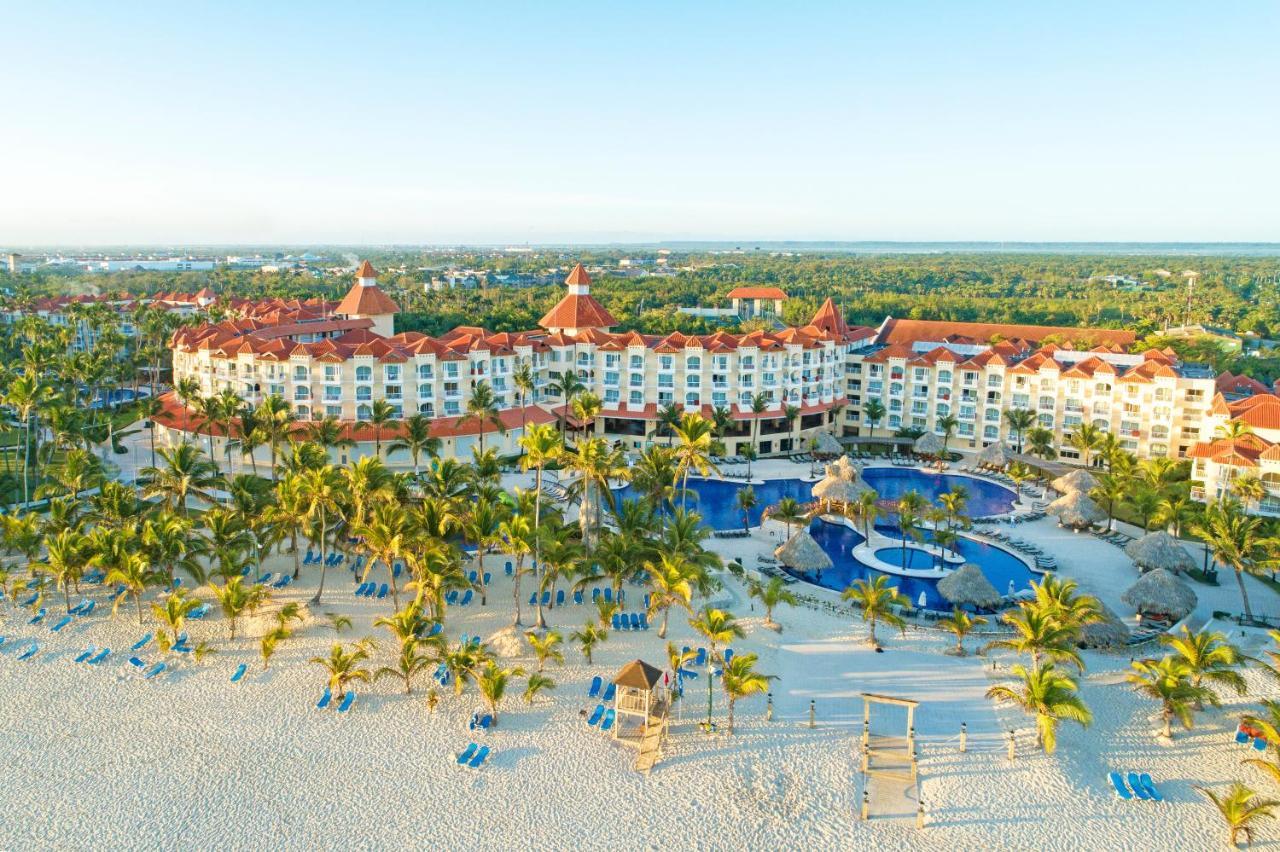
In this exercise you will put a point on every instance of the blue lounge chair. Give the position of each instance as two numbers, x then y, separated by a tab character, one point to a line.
688	673
30	652
644	621
1259	744
610	692
467	753
608	720
3	639
347	701
199	612
239	672
63	622
285	579
596	715
608	594
451	598
1241	737
472	577
435	629
702	657
158	668
397	569
1136	786
182	639
98	657
546	598
382	591
244	572
635	621
141	643
88	608
323	703
75	610
39	616
137	663
596	683
577	596
617	620
728	654
560	597
488	577
1118	783
509	569
466	598
1145	780
485	722
309	559
595	595
86	654
478	760
646	601
29	601
533	599
266	578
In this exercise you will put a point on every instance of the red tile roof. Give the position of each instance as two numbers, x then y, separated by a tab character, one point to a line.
366	271
575	312
367	300
578	275
911	331
756	293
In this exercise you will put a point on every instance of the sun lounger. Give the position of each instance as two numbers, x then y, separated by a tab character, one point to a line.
467	753
466	597
88	608
157	669
610	691
635	621
98	657
546	598
1118	783
1241	737
29	601
435	629
141	643
1259	744
478	761
1136	786
382	591
644	621
1145	780
63	622
702	658
239	672
30	652
488	578
608	594
560	597
596	683
347	700
596	715
86	654
78	608
607	723
285	579
617	621
39	616
728	654
265	578
509	568
323	703
472	577
577	596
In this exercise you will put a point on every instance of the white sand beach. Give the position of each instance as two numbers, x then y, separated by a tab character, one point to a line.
96	757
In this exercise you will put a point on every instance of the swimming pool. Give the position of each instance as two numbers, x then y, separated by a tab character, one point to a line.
716	499
985	498
838	540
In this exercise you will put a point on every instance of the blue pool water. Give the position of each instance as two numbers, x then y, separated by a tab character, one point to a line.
999	566
985	498
715	499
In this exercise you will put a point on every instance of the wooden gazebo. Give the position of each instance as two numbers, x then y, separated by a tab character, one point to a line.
641	699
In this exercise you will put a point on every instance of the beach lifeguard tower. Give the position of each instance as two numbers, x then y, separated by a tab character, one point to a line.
641	704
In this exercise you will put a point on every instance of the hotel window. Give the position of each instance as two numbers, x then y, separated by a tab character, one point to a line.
303	412
302	392
611	378
637	380
895	421
1195	396
393	391
330	372
692	399
451	370
425	391
1102	387
1160	432
300	373
450	388
333	410
748	363
332	393
364	393
364	374
276	390
944	377
718	400
990	432
942	409
637	362
427	408
693	381
391	373
363	412
451	409
995	380
1164	394
665	362
920	375
1045	420
636	398
666	381
611	397
746	381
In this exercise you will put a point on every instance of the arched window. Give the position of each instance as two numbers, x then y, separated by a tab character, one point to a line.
693	362
364	374
363	412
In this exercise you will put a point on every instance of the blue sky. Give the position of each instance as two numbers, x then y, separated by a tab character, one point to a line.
586	122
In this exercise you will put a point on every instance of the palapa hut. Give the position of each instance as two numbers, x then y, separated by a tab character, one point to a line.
1110	632
1077	510
1160	550
968	585
1160	593
1076	480
842	484
803	553
828	446
640	700
928	444
995	456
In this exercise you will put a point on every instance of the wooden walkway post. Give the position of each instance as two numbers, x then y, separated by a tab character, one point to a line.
964	737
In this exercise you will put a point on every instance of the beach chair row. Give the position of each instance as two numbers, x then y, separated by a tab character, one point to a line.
602	717
331	560
473	756
344	706
1138	785
630	621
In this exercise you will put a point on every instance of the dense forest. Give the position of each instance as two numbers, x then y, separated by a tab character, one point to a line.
1236	292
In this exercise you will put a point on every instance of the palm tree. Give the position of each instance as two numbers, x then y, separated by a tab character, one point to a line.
589	637
541	448
415	436
546	647
1237	540
948	423
1041	441
274	418
381	414
909	506
134	574
1085	439
668	419
693	453
961	624
384	538
1241	808
1208	656
789	512
188	391
719	627
746	501
493	681
1020	420
585	407
875	599
566	385
66	555
482	408
483	527
27	394
866	509
1174	510
740	679
535	684
596	464
171	612
1111	490
953	503
329	433
168	543
235	599
1061	600
670	585
1048	694
759	405
519	539
522	380
321	494
344	667
186	473
1038	633
770	595
873	412
1168	681
410	662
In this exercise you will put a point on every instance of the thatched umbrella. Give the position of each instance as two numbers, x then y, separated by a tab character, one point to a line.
803	553
1077	480
996	455
968	585
843	468
1160	593
1160	550
928	444
836	489
1076	509
828	445
1110	632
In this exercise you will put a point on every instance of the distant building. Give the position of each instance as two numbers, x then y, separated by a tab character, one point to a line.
1227	338
1255	452
753	302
